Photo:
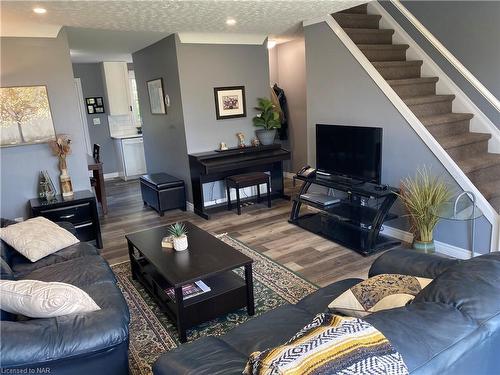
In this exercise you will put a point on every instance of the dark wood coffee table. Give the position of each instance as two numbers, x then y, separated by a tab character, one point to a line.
207	259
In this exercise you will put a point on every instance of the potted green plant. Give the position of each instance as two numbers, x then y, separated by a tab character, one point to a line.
178	233
268	119
422	196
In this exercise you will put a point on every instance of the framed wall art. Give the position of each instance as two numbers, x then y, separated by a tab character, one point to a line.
230	102
156	97
94	105
25	116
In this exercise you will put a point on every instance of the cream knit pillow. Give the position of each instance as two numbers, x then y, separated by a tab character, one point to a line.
39	299
36	238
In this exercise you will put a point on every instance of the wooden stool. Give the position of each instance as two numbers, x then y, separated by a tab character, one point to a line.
246	180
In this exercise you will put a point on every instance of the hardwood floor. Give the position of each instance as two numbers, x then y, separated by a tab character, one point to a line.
265	230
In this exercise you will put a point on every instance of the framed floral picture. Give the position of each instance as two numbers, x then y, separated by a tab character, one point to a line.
25	116
230	102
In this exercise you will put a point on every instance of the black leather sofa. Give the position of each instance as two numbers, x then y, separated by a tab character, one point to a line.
452	326
76	344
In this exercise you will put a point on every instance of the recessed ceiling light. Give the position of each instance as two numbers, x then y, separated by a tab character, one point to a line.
271	44
230	22
40	10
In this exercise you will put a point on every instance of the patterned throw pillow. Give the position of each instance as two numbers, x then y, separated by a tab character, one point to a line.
330	344
381	292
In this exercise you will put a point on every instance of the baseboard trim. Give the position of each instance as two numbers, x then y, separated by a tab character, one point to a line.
441	247
397	234
109	176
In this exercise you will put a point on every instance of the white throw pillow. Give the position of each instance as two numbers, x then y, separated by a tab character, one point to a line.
39	299
36	238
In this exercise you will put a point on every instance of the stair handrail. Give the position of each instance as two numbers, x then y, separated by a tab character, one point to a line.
447	55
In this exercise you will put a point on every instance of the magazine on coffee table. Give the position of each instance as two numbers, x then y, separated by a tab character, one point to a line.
190	290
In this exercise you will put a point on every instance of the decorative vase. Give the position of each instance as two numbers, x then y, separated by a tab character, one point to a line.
266	137
66	186
180	243
424	246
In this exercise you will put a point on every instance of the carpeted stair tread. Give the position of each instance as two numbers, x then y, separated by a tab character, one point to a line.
396	64
489	189
412	81
383	46
351	30
445	118
369	21
479	162
417	100
359	9
462	139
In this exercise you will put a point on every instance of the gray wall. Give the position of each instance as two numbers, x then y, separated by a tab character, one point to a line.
205	66
469	30
40	61
291	77
92	85
164	135
339	91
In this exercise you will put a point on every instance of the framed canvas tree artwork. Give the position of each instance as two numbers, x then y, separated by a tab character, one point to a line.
25	116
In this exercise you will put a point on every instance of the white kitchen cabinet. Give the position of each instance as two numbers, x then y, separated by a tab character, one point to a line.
131	160
116	82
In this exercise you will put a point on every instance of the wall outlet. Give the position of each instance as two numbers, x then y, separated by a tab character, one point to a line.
96	121
19	219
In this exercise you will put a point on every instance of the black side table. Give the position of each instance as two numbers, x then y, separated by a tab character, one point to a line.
80	210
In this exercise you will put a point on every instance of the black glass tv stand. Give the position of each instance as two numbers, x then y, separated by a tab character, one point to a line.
355	221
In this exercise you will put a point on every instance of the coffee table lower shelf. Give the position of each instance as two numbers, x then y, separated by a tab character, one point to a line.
228	293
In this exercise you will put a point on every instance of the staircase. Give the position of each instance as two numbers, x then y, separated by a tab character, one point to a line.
469	150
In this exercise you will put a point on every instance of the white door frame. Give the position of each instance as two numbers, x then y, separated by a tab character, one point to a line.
83	117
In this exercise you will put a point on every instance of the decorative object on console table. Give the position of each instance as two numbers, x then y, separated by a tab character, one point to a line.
46	187
241	140
156	97
25	116
81	211
178	233
230	102
61	148
268	119
422	196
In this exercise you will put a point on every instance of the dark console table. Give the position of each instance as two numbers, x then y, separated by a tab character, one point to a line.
80	210
217	165
355	221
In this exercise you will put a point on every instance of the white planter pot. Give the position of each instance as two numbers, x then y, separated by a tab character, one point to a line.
180	243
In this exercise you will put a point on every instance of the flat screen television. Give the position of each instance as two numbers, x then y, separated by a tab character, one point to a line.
354	152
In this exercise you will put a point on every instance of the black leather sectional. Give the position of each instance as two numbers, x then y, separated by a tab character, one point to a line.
452	327
76	344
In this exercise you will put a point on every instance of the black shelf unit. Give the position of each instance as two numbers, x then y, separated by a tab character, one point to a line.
353	222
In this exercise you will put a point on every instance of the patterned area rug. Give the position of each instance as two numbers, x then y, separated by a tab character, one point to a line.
152	333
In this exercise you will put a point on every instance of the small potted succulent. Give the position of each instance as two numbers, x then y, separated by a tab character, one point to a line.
268	119
178	233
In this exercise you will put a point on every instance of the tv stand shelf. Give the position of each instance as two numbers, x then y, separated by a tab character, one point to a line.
350	222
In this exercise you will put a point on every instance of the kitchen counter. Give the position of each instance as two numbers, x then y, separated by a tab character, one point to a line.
126	136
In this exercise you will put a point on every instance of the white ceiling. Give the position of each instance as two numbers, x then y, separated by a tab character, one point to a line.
122	27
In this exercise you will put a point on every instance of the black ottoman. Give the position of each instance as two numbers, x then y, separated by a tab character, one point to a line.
163	192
